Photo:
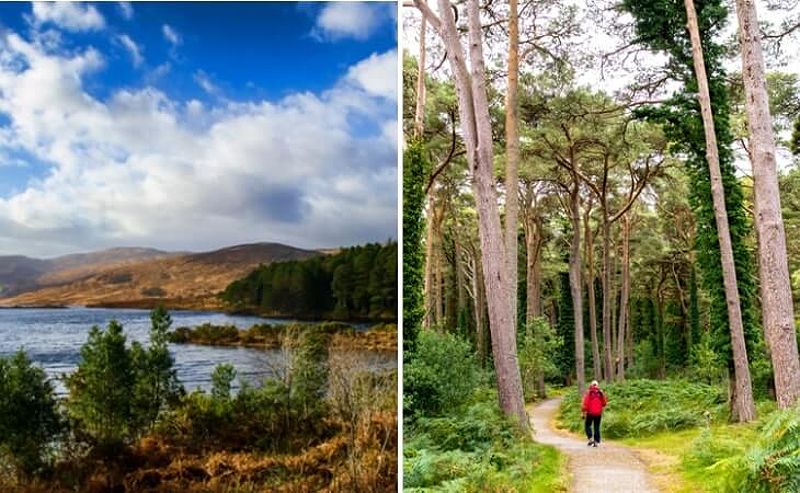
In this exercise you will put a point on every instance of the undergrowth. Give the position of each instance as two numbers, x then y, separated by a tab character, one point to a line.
474	449
456	438
643	407
689	422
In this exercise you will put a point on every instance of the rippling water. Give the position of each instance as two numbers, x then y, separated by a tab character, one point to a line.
53	338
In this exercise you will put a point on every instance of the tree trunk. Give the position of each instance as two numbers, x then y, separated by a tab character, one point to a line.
473	107
512	155
533	307
479	306
430	252
776	294
624	293
533	244
589	255
576	286
608	373
433	265
744	407
500	294
438	277
419	110
462	318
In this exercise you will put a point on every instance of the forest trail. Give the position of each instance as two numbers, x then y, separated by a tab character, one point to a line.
610	467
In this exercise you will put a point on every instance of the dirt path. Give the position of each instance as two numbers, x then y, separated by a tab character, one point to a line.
608	468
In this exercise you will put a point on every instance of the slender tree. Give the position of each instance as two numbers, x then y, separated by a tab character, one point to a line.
776	294
744	406
477	134
512	153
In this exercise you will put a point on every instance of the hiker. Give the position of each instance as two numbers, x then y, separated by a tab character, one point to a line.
593	403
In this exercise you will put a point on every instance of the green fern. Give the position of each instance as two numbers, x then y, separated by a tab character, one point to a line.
772	465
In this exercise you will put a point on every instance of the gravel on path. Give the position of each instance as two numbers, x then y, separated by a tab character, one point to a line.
609	468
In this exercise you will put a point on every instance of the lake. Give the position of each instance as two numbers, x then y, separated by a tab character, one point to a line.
53	338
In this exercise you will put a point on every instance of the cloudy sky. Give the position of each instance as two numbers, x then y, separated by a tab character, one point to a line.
194	126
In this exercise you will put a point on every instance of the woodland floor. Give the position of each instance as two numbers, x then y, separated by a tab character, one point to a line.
610	467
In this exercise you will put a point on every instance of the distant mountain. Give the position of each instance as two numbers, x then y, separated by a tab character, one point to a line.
19	273
135	277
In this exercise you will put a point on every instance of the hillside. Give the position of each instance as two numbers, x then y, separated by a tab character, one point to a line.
136	277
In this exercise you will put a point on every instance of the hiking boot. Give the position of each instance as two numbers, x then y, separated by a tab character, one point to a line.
591	443
594	444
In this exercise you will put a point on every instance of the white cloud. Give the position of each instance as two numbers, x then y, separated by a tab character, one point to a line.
126	9
171	35
141	168
204	81
133	49
377	74
356	20
72	16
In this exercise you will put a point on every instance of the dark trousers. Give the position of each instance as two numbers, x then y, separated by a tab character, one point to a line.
593	421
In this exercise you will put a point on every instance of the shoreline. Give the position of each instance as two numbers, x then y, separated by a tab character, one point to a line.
232	313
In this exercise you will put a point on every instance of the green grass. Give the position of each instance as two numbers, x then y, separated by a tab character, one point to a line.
687	457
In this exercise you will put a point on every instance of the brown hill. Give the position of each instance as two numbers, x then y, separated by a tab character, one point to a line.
144	278
19	274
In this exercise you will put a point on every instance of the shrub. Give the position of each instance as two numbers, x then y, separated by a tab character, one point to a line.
221	380
309	372
364	402
29	418
284	414
214	334
705	364
442	373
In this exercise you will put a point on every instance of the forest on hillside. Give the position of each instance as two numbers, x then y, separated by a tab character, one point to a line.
579	210
357	283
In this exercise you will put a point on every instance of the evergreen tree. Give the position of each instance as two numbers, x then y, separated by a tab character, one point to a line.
661	25
157	383
101	389
29	418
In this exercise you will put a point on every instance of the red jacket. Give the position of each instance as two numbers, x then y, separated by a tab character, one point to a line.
594	401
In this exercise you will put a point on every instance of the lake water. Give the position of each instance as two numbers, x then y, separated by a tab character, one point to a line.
53	338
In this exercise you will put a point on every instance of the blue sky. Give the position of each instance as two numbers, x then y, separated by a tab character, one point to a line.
187	125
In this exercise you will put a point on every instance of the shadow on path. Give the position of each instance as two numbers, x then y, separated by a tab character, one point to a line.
611	467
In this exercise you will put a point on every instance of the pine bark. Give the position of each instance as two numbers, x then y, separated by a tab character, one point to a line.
430	252
744	407
776	294
512	155
419	110
533	280
590	275
608	372
575	284
473	107
624	295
